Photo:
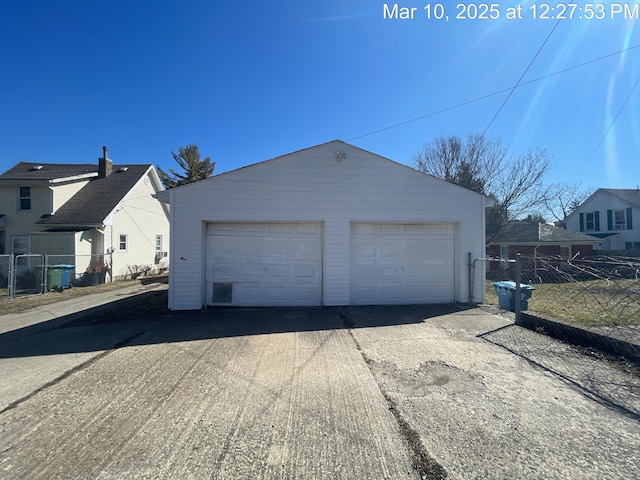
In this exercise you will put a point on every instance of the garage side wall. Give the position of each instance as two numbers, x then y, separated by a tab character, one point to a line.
316	185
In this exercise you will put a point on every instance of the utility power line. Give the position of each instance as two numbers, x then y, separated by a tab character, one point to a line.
626	100
521	77
477	99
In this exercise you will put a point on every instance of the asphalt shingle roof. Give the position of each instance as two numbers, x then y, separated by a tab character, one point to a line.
93	203
631	195
49	171
536	232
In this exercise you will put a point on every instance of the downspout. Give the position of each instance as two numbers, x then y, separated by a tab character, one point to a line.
111	250
535	261
172	243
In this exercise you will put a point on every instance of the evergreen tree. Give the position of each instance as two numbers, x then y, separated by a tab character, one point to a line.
193	167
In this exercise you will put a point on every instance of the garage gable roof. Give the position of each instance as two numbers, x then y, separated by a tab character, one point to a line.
340	154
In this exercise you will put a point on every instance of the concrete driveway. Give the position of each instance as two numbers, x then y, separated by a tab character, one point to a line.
379	393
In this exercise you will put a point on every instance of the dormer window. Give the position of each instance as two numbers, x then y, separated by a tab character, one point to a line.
24	197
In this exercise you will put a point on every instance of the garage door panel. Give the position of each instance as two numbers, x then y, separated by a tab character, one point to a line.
402	263
270	264
306	271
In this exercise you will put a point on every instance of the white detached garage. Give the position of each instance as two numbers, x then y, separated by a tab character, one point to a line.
326	226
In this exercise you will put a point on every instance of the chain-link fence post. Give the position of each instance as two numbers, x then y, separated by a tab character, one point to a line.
470	278
518	300
12	278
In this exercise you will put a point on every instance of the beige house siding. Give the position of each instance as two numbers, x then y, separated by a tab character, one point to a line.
140	217
21	222
62	193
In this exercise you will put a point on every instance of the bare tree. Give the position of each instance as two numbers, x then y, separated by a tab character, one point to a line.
194	168
561	199
486	166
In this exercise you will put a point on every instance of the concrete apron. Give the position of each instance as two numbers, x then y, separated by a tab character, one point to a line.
295	394
492	400
250	394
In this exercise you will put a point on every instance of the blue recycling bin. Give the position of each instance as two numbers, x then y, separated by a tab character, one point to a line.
506	292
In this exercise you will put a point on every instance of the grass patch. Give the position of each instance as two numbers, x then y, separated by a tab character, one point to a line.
22	304
587	303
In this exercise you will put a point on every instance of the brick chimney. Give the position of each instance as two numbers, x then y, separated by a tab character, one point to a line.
104	164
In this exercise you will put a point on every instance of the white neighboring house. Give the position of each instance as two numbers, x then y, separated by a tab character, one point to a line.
78	210
612	215
328	225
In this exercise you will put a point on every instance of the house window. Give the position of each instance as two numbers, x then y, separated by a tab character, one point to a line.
565	252
504	252
2	242
24	198
590	221
632	245
158	244
19	244
123	242
620	222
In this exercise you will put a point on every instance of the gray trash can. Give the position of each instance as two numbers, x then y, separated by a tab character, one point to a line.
506	292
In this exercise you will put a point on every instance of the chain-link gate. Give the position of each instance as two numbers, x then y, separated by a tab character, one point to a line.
482	273
28	275
6	276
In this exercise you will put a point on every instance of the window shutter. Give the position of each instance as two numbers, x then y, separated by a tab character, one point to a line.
609	220
596	220
582	222
629	218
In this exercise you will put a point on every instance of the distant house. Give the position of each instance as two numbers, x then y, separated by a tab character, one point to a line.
537	238
610	215
79	210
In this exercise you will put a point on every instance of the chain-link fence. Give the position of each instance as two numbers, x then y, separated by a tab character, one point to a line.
595	294
6	275
32	274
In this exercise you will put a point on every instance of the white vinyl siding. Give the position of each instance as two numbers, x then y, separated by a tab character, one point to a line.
316	185
612	215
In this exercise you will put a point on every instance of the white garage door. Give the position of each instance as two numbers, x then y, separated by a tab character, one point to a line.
264	264
402	263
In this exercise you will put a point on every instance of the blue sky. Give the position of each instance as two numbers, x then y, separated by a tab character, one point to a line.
248	81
